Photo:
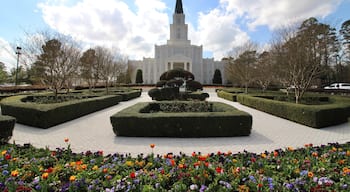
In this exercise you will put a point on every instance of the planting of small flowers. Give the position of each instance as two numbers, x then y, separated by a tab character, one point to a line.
311	168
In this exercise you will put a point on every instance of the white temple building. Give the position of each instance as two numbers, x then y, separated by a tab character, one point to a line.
177	53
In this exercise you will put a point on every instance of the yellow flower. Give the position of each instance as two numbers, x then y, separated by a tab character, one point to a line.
14	173
45	175
297	171
290	149
129	163
95	167
234	160
348	153
72	164
3	152
263	155
72	178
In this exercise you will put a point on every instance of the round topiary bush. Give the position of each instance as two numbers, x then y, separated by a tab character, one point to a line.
176	73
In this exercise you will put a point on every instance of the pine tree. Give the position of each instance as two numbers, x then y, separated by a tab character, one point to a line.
217	79
139	78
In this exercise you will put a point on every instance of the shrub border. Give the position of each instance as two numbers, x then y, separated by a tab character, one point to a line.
227	122
313	116
48	115
7	123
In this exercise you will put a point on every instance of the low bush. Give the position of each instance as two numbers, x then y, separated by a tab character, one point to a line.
7	124
48	115
128	95
139	121
227	95
316	116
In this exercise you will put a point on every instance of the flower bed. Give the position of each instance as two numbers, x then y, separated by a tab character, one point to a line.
320	168
141	120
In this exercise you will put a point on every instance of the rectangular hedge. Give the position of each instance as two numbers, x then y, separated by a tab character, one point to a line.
7	124
130	94
227	95
224	121
48	115
316	116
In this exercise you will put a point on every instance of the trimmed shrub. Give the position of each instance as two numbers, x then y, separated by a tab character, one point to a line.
227	96
140	121
7	123
129	95
165	93
316	116
48	115
176	73
193	85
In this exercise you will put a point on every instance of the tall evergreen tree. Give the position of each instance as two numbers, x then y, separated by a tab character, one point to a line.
217	79
139	78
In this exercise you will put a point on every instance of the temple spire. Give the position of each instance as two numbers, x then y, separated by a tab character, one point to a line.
178	8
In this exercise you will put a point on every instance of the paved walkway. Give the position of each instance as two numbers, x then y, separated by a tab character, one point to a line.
94	132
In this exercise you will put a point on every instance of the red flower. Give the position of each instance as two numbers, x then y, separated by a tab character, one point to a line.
219	170
7	156
132	175
253	159
152	145
100	153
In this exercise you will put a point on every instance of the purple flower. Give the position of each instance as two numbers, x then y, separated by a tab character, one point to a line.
5	172
203	188
289	185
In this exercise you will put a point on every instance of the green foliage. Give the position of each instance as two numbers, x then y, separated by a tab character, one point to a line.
227	96
224	121
316	116
139	78
48	115
165	93
7	124
217	79
177	73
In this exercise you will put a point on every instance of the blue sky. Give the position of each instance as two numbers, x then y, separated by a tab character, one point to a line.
135	26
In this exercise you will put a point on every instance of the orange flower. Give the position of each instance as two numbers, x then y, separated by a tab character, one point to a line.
66	140
45	175
275	153
72	178
310	174
181	166
172	161
315	154
152	145
290	149
14	173
105	170
260	185
341	162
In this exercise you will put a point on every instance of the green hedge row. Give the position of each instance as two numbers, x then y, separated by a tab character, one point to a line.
7	123
48	115
224	121
316	116
130	94
227	95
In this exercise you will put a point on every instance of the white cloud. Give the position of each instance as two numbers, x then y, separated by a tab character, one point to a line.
7	55
135	30
218	32
112	23
276	13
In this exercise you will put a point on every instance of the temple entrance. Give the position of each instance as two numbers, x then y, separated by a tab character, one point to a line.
179	66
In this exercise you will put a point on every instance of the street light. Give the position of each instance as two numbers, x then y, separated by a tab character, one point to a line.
18	52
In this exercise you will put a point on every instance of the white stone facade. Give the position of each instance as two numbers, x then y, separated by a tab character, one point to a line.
177	53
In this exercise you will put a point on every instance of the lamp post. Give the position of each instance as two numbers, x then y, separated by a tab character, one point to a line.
18	52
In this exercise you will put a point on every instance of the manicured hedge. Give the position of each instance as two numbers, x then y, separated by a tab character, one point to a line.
227	95
128	95
316	116
224	121
48	115
7	124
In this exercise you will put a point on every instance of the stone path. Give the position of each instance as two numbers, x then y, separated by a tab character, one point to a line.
94	132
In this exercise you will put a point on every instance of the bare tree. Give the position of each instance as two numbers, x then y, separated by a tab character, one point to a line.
265	70
241	63
88	67
57	63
